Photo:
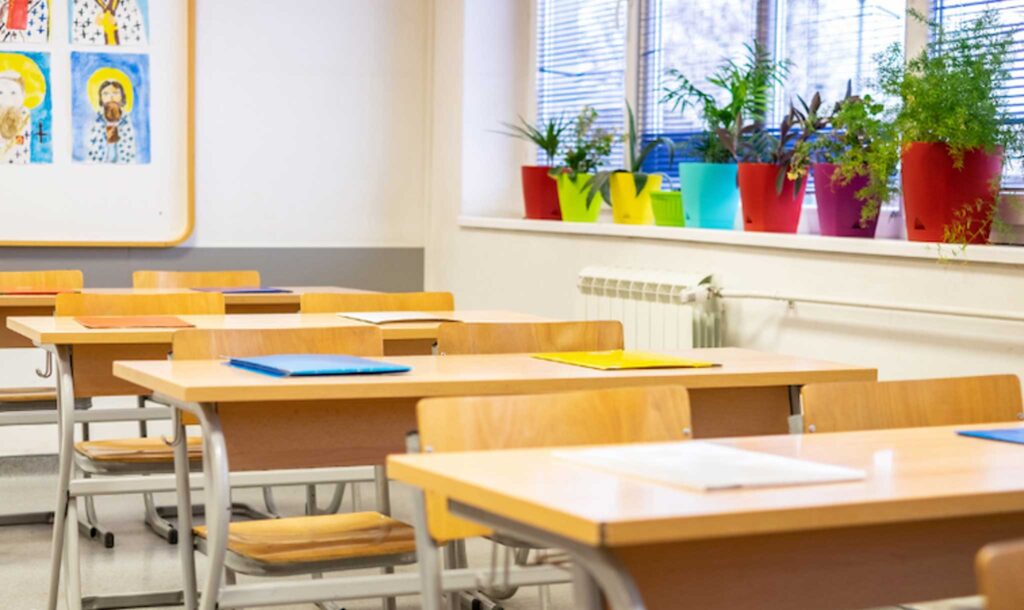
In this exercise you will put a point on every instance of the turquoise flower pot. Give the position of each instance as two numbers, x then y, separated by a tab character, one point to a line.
710	193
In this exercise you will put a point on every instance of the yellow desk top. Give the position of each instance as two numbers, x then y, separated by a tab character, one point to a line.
210	380
276	298
51	330
913	475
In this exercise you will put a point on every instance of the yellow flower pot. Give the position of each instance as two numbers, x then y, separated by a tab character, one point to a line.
628	208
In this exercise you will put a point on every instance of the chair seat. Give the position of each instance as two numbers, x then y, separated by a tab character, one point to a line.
27	394
136	450
318	539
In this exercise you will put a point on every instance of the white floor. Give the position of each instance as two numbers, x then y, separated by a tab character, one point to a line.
140	561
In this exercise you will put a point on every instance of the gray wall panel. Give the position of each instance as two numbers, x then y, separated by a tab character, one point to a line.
388	269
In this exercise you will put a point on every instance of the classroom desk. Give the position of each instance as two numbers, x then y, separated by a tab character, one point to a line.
909	532
339	421
17	305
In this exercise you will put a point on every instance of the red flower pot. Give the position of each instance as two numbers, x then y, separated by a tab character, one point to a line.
838	206
540	193
763	208
937	195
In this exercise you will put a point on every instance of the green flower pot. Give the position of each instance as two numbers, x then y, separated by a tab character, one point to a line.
572	198
668	208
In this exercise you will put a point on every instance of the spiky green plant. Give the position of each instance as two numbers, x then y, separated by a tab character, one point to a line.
637	152
547	135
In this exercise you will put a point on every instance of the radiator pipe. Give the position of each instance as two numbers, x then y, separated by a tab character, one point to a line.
792	300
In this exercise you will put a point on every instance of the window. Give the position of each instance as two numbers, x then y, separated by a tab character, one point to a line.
1011	13
828	43
581	60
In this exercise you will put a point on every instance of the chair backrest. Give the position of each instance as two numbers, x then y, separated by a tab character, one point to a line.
58	279
999	567
525	337
109	304
619	415
195	279
872	405
209	344
318	302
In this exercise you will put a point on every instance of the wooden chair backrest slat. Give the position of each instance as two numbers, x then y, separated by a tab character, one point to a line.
527	337
195	279
873	405
613	416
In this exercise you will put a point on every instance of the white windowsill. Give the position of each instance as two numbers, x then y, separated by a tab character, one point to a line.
895	248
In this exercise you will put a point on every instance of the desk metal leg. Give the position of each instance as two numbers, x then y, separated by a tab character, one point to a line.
218	503
380	479
616	584
428	557
72	570
186	549
66	436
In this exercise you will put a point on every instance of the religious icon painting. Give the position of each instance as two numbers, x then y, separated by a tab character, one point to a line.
109	22
24	21
26	110
110	108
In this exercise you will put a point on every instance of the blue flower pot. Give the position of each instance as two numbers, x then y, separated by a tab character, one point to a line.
710	194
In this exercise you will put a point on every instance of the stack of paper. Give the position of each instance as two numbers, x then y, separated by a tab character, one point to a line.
388	317
245	290
132	322
707	466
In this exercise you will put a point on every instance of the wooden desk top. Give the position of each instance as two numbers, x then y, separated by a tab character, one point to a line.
51	330
913	475
276	298
211	381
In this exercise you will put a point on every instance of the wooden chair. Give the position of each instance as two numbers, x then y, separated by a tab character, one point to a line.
999	567
332	302
614	416
525	337
91	375
309	544
195	279
31	398
316	302
871	405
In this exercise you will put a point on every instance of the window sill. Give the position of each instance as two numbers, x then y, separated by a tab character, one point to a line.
891	248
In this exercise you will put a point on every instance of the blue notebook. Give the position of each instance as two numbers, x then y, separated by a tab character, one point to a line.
308	365
1006	435
245	290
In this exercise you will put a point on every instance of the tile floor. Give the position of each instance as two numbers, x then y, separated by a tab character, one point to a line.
140	561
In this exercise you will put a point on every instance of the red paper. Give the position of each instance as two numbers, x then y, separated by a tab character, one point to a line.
132	322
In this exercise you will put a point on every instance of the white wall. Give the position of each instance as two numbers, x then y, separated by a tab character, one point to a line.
311	125
537	272
312	131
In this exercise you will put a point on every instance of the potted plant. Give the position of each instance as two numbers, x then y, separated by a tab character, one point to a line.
587	150
540	193
854	165
629	190
668	208
953	128
773	169
709	186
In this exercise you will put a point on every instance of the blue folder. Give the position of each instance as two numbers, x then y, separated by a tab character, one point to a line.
245	290
1006	435
308	365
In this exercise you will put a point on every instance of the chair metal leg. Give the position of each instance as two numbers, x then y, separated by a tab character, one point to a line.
157	523
72	571
90	522
335	505
269	502
218	503
311	500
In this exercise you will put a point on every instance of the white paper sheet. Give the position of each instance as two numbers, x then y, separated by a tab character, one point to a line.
708	466
388	317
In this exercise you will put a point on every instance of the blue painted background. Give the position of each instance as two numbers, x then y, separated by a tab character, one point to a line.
42	115
136	66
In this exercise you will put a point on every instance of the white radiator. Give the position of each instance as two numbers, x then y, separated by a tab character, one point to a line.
658	309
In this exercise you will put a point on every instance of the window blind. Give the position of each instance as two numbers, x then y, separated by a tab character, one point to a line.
951	13
581	61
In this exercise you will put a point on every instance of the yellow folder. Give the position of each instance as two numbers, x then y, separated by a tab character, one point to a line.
617	360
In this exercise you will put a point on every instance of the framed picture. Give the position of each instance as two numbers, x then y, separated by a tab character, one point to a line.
97	122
